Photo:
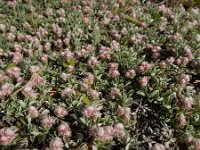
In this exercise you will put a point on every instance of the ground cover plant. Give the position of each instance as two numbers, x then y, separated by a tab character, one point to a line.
99	74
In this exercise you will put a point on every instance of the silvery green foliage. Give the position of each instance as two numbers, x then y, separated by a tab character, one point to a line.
108	74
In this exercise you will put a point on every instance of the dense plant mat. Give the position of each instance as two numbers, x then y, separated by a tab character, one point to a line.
99	74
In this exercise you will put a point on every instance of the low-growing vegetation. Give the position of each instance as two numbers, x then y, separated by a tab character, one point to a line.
99	74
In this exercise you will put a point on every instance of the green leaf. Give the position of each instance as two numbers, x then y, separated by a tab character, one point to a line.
155	93
11	65
36	133
85	99
22	104
129	18
72	62
65	63
140	93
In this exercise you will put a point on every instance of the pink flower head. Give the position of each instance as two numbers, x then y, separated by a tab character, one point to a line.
47	46
48	122
119	130
29	92
104	53
37	80
17	57
113	66
58	43
7	135
114	92
187	103
56	144
143	81
184	80
33	112
61	12
13	72
91	112
176	37
188	53
3	77
44	58
114	73
144	66
156	56
60	111
92	62
195	143
6	89
64	130
68	92
124	112
170	60
181	120
89	78
150	46
158	147
34	69
82	53
163	64
2	27
130	73
49	12
57	30
84	86
93	93
114	45
12	3
67	54
65	76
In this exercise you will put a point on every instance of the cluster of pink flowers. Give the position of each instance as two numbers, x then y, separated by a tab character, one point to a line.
107	132
93	93
181	120
7	135
92	62
47	122
155	52
184	80
68	92
89	78
144	66
124	112
64	129
130	73
33	112
114	92
114	45
28	91
56	144
138	38
113	69
67	54
187	103
37	80
104	52
60	111
91	112
14	72
143	81
6	89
